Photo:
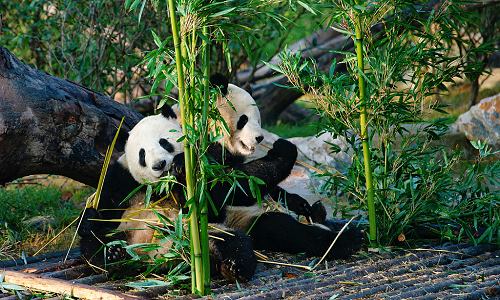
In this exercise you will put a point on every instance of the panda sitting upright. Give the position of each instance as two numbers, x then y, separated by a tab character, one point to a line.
152	151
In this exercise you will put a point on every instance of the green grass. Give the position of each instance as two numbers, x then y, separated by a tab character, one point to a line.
60	203
456	99
286	130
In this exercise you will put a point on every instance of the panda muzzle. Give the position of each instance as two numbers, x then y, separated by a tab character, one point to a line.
252	149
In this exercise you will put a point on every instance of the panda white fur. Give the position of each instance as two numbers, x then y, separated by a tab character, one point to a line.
148	156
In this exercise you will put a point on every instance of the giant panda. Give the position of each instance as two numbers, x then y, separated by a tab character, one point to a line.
242	117
152	151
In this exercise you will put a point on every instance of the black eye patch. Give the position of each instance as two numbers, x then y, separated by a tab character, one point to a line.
241	122
166	145
142	157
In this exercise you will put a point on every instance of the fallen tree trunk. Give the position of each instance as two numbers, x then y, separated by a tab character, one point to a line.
275	99
54	126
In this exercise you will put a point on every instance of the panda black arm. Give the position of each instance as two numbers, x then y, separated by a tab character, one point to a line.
118	184
293	202
271	169
275	166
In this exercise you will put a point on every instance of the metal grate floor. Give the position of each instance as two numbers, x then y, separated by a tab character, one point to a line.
449	272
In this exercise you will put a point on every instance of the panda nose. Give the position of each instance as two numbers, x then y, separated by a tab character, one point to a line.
259	139
159	166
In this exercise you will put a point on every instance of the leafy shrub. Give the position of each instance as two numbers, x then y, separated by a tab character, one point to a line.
414	181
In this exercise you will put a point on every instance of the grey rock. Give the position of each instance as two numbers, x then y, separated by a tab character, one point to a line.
482	122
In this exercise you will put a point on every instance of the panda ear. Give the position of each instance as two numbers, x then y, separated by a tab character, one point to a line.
219	81
247	88
168	112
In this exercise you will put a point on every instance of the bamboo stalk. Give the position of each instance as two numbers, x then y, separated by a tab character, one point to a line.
196	250
284	264
180	54
364	132
204	205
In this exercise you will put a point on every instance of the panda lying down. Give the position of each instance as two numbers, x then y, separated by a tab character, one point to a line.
152	151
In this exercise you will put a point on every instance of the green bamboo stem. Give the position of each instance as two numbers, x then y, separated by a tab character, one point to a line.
206	89
364	133
204	143
196	264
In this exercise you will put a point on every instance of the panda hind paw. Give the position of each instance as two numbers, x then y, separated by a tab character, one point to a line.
237	269
116	253
348	243
318	214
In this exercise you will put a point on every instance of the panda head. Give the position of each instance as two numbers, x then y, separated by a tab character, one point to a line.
152	145
239	111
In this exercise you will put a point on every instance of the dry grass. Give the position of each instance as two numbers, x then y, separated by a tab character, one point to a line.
34	243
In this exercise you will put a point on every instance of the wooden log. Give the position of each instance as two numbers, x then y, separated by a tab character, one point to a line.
50	125
59	286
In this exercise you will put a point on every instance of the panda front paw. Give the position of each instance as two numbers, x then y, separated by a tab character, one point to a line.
178	164
318	214
237	269
283	145
284	149
298	205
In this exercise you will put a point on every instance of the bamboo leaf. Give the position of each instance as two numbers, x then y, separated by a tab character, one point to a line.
127	4
148	283
135	4
107	158
304	5
140	12
227	54
274	67
203	37
221	13
155	37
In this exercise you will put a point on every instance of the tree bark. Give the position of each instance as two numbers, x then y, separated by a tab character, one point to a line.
53	126
274	99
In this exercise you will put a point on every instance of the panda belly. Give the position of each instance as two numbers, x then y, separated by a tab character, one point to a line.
242	217
138	229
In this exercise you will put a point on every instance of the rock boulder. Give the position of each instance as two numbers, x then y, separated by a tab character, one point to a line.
482	122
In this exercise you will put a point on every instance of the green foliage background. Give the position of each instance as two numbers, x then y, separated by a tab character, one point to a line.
408	57
100	45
